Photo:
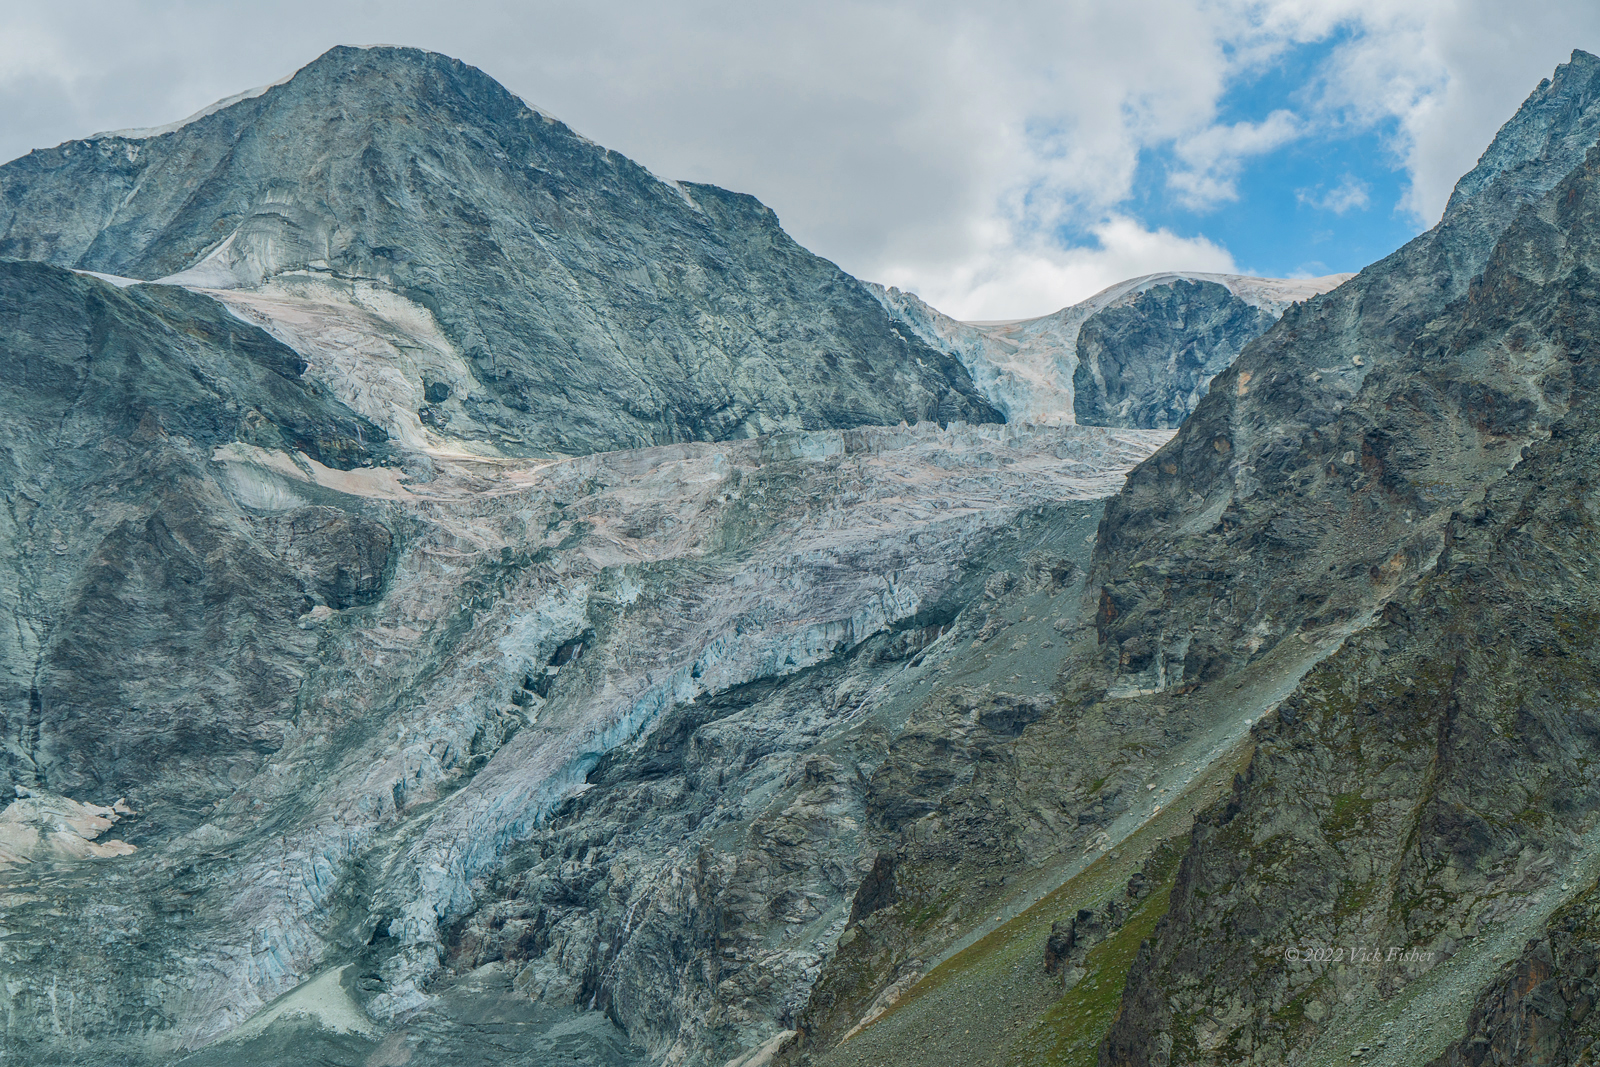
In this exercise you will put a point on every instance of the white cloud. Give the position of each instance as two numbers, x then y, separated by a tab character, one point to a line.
1351	193
1213	156
1448	74
942	146
1015	279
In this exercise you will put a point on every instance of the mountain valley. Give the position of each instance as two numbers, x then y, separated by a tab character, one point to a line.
472	600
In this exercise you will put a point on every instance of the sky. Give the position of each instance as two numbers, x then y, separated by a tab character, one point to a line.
1002	160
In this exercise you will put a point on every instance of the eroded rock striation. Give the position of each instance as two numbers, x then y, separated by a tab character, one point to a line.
1363	548
1336	448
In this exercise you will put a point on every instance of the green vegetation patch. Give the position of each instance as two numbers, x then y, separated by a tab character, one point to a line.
1349	816
1070	1033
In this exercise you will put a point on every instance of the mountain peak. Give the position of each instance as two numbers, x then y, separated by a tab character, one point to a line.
1553	128
568	286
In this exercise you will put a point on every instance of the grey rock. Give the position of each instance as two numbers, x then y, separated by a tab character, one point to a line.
154	643
369	724
1161	338
1316	475
1402	799
1148	363
598	306
346	721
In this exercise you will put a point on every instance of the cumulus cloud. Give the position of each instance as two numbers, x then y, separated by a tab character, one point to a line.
985	157
1351	193
1447	74
1213	156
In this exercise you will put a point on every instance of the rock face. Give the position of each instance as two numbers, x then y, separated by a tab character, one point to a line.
1317	475
1199	326
340	729
1139	354
596	305
154	646
338	740
1540	1008
1415	811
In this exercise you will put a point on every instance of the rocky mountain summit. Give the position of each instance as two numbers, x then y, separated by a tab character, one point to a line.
474	601
594	305
1405	794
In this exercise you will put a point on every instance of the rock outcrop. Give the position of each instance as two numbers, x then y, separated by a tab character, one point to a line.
1418	807
1140	353
1363	550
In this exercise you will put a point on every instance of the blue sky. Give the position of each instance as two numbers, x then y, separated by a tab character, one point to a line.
1329	201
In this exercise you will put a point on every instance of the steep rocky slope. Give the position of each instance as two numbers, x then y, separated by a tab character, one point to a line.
1328	582
1140	353
595	305
1337	446
285	699
1429	789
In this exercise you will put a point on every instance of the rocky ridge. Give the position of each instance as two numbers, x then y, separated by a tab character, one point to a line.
597	306
1139	353
1423	758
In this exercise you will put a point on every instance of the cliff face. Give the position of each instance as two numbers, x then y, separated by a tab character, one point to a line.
1420	806
597	306
1316	476
1199	327
337	726
136	586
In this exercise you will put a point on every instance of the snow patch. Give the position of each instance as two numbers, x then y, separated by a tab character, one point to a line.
376	350
111	279
43	826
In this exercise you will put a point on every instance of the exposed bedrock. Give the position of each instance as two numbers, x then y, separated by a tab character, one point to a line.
1422	805
1317	475
598	306
332	745
359	706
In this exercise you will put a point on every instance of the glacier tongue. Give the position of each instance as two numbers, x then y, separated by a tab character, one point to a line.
541	616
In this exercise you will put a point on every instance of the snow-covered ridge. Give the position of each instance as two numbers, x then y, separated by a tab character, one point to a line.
1025	366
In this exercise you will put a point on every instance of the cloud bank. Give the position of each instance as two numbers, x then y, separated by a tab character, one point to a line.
1001	162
